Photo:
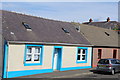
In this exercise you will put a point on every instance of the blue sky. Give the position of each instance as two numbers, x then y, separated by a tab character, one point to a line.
66	11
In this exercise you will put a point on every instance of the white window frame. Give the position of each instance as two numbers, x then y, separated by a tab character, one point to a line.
33	53
81	54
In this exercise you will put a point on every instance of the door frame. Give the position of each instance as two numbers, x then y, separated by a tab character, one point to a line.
59	66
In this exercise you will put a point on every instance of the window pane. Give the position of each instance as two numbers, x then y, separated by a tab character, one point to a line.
118	61
28	57
83	57
29	50
79	50
37	50
78	58
36	57
106	62
84	51
113	61
103	61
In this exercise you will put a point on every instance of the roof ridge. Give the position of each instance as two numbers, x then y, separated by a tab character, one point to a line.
100	22
92	26
24	14
98	27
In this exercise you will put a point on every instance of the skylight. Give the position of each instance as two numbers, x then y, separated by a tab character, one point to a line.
65	30
107	34
26	26
77	28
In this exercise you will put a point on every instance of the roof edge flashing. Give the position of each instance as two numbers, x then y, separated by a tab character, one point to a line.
68	44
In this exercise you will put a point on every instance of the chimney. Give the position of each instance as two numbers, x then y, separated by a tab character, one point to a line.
90	20
108	19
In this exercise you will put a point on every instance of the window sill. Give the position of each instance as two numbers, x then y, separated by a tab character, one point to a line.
81	61
32	64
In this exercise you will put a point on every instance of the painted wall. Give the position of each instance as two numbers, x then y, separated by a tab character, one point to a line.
106	53
118	53
16	58
69	59
15	65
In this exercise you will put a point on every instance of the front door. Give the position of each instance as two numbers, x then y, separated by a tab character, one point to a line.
57	59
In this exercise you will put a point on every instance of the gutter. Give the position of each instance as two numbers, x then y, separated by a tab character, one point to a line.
48	43
105	46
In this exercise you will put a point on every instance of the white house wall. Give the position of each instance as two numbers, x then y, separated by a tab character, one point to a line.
69	57
15	60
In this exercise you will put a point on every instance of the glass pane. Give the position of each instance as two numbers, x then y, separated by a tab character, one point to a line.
79	50
78	58
28	57
83	57
113	61
103	61
29	50
118	61
37	50
36	57
84	51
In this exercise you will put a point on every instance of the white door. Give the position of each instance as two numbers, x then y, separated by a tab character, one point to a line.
55	59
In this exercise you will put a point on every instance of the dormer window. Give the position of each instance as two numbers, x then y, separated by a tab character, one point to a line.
26	26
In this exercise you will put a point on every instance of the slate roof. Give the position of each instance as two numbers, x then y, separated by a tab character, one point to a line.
99	36
105	24
43	30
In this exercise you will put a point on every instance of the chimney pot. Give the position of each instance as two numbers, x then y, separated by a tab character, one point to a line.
90	20
108	19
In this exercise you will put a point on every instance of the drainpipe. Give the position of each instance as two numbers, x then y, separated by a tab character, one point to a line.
5	60
92	58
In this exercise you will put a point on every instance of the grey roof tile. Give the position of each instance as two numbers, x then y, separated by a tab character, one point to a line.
99	36
43	30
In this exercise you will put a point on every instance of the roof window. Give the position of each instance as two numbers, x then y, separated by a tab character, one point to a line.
107	34
26	26
78	28
65	30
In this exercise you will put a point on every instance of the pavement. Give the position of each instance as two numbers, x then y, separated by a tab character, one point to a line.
81	74
62	74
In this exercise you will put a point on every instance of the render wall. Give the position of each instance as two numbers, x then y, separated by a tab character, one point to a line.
106	53
69	58
15	60
118	53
